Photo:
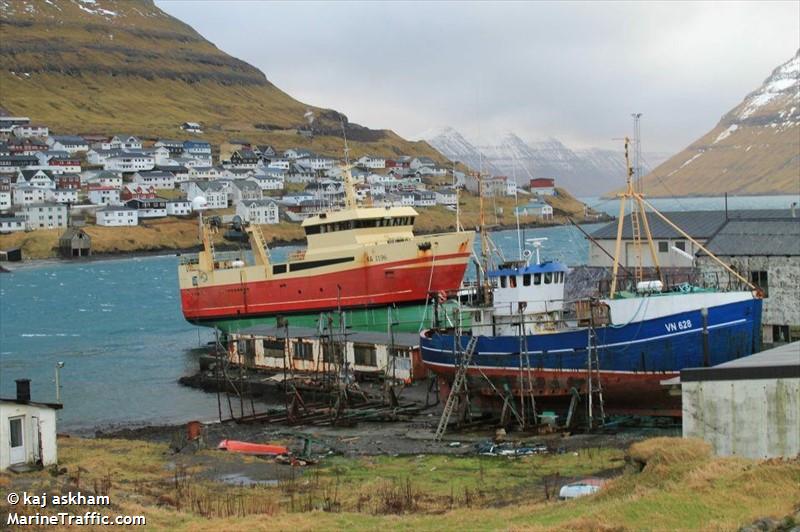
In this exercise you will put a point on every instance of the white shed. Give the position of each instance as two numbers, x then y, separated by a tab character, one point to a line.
27	430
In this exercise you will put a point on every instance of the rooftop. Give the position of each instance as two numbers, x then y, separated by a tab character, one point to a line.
761	238
779	362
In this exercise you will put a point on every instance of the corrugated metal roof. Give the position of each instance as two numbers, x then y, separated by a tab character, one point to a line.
757	238
698	224
782	362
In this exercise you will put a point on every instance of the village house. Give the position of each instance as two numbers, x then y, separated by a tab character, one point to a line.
446	196
377	189
30	130
10	224
5	199
155	178
27	195
192	127
281	163
320	162
36	178
122	142
300	173
117	216
767	252
325	189
536	209
180	172
60	165
100	195
27	146
15	163
149	208
129	161
45	215
403	161
174	147
68	181
215	194
7	123
424	198
207	172
29	428
229	147
179	207
294	154
261	212
197	150
543	186
98	157
74	242
103	178
131	191
265	151
68	143
244	159
242	190
64	195
373	163
161	156
420	162
267	181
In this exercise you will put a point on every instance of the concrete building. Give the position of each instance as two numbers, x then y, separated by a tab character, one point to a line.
29	428
45	215
767	252
179	207
10	224
747	407
75	242
149	207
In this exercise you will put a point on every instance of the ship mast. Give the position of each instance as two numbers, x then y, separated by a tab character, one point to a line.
349	191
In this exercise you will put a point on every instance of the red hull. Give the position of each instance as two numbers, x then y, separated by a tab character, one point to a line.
399	282
623	393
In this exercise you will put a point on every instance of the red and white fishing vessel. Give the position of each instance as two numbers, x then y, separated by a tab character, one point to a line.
356	258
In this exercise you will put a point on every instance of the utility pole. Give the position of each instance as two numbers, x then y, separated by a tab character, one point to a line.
58	367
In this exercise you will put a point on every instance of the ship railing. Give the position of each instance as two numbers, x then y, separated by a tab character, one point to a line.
719	281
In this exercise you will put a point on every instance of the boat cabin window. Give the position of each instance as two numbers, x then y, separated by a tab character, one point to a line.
502	281
512	281
359	224
548	277
526	279
537	278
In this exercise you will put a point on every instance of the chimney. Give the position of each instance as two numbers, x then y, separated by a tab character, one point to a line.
23	390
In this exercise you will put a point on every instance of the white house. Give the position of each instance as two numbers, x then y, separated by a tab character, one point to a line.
319	162
424	198
192	127
45	215
117	216
5	200
9	224
125	142
446	196
261	212
543	186
68	143
30	130
420	162
243	190
157	179
26	195
368	161
279	162
179	207
99	195
149	207
64	195
29	428
161	155
36	178
130	162
294	153
538	209
103	179
216	196
197	150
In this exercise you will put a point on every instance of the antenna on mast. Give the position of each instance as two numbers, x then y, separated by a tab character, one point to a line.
349	192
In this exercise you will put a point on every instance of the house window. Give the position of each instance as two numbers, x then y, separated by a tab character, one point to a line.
681	245
274	348
364	355
760	279
663	247
303	350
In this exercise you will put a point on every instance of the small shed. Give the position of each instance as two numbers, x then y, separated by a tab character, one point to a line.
27	431
75	242
747	407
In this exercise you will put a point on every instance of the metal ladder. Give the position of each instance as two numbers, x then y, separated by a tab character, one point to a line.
637	243
459	382
260	241
593	383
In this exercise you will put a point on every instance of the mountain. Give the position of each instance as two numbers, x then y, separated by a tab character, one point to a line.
754	149
107	66
584	172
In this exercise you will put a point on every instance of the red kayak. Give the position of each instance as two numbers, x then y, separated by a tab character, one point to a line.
259	449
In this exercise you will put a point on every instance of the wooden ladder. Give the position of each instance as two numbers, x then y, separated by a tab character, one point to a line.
459	382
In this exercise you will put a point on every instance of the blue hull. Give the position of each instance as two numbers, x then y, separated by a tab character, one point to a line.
634	358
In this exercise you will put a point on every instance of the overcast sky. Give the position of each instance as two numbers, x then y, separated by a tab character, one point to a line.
574	71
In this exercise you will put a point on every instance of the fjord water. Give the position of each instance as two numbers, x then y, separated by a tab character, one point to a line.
117	326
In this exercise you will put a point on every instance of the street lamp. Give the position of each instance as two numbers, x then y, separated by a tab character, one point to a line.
58	367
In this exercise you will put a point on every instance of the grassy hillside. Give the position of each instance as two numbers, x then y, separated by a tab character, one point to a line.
670	484
114	66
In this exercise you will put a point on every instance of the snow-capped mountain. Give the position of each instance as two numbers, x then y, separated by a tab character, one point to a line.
754	149
585	172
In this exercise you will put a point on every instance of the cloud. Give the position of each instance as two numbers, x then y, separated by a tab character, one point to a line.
570	70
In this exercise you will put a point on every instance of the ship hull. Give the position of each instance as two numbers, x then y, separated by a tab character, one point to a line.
634	358
366	286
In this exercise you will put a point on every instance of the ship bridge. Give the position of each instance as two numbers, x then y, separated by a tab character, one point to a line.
358	227
528	288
